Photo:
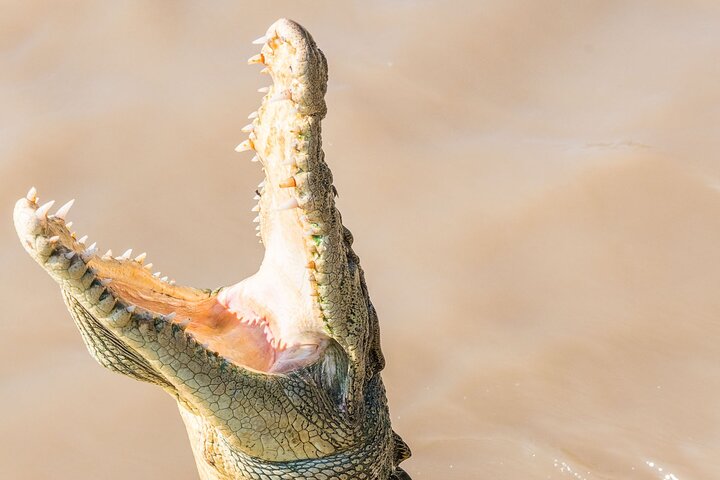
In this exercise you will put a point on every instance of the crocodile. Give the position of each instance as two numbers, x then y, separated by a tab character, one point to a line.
277	376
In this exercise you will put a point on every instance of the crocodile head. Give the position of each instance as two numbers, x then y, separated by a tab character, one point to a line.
277	376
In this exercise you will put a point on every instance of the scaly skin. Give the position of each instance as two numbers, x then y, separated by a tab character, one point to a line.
278	376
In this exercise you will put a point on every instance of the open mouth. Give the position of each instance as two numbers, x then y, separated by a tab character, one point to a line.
247	323
271	322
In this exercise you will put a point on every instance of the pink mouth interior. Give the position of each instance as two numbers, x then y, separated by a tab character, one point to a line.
243	334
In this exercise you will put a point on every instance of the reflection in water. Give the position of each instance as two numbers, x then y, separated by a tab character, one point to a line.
664	475
563	467
527	184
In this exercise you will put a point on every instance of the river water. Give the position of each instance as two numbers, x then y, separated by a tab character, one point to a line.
533	188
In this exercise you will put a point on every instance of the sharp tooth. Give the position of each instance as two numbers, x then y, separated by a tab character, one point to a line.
258	234
288	183
245	146
70	254
108	254
292	203
257	227
265	70
256	208
164	279
184	322
68	224
256	197
148	266
126	255
170	316
256	219
248	128
261	184
32	194
264	89
172	282
157	274
91	250
255	159
88	254
42	211
141	258
253	115
54	238
63	211
83	239
259	58
260	40
131	308
105	281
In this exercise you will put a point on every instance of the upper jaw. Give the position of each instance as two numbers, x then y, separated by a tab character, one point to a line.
307	248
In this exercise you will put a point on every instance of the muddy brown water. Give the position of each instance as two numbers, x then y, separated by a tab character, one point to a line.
534	189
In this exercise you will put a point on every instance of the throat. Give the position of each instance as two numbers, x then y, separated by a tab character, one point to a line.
281	301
